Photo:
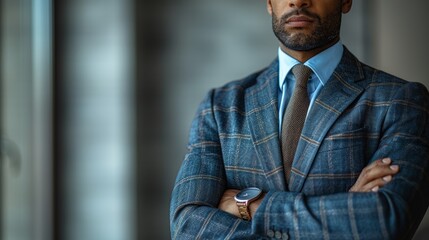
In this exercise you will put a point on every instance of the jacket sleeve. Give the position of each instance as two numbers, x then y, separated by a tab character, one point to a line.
200	185
394	212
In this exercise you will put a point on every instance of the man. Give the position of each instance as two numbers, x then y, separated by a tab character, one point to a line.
348	161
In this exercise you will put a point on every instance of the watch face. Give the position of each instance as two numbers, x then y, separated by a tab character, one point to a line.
248	194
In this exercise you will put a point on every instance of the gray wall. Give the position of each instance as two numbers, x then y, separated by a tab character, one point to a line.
25	124
95	71
401	35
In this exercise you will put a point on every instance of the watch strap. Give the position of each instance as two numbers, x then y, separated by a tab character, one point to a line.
243	209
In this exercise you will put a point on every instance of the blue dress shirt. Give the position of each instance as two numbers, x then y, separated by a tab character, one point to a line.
323	65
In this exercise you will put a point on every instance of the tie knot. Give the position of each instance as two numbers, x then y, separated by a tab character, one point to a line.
302	74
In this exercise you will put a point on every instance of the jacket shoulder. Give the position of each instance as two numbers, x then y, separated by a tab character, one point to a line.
232	93
392	88
377	76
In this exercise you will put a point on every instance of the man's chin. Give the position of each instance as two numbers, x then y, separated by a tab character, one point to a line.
301	46
304	43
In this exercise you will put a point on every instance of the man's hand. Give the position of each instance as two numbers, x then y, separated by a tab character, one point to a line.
228	204
375	175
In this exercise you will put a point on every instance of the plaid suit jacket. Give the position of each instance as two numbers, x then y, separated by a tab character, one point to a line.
360	115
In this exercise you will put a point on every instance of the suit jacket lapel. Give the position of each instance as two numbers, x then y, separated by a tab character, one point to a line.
261	101
338	93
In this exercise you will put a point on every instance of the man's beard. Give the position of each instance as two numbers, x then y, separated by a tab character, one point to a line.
325	31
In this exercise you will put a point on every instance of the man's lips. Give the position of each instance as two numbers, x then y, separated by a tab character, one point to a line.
299	21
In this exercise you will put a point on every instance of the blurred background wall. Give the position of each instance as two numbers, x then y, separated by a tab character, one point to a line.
97	99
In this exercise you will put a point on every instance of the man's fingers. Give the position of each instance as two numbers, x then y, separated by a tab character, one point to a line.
378	169
386	161
375	185
387	178
395	168
372	171
375	175
379	162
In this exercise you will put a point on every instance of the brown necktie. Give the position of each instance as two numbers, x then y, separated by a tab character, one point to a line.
294	117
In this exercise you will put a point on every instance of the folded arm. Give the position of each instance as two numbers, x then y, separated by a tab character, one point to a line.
371	179
200	185
394	211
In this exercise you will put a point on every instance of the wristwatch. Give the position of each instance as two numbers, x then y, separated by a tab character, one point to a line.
243	200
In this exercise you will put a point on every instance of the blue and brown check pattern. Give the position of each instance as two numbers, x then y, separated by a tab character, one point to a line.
361	115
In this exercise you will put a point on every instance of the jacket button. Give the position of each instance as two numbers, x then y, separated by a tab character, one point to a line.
270	233
285	236
278	235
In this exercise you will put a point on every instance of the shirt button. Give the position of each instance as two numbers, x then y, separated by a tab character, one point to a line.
278	235
270	233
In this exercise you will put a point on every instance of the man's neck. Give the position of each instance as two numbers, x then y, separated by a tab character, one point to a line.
303	56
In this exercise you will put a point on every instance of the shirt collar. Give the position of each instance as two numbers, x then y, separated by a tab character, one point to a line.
323	64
